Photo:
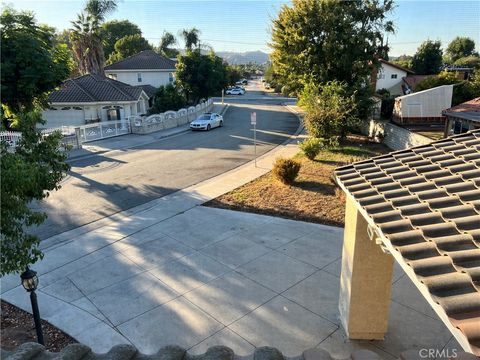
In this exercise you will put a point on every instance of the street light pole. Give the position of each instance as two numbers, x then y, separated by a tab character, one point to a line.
30	283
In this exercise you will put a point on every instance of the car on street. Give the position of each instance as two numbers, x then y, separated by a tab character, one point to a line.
207	121
235	91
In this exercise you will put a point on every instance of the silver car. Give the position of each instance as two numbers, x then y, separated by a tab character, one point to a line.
207	121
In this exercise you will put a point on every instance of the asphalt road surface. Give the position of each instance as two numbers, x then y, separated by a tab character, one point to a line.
101	185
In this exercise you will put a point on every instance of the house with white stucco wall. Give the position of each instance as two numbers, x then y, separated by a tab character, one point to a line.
145	68
390	76
94	98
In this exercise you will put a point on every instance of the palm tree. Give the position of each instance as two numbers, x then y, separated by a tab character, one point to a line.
85	36
166	43
191	37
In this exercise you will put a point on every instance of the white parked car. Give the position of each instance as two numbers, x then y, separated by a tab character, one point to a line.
207	121
235	91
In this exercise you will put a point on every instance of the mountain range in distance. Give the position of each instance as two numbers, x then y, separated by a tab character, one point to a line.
237	58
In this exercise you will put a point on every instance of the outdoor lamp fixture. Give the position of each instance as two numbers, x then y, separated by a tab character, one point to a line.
30	283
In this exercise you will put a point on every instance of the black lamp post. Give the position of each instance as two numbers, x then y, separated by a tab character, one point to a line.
30	283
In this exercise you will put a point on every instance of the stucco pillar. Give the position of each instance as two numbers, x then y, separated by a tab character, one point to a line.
365	282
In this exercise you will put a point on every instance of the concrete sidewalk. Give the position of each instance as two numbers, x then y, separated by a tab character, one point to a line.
129	141
173	272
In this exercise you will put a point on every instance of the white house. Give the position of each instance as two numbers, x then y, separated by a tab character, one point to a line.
390	76
145	68
94	98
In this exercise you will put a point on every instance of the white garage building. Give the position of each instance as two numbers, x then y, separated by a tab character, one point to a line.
93	98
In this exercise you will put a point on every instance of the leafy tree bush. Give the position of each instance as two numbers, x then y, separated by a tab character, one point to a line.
310	36
167	98
114	30
286	170
428	58
331	112
167	42
201	76
460	47
127	46
32	63
311	147
30	173
471	61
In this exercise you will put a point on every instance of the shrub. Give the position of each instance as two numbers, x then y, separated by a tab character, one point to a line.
168	97
331	112
311	147
286	170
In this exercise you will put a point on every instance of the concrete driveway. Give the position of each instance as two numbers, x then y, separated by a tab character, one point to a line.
210	277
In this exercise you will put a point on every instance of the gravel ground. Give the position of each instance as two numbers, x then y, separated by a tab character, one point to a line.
18	328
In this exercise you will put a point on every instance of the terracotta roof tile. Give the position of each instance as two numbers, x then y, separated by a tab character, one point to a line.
425	204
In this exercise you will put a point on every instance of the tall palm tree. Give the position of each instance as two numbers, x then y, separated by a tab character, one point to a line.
85	36
166	42
191	38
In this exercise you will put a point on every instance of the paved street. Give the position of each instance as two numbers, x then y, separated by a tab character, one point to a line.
107	183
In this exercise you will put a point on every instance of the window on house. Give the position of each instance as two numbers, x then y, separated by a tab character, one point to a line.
170	77
394	76
139	77
380	75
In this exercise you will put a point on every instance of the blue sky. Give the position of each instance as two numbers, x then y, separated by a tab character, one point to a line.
243	25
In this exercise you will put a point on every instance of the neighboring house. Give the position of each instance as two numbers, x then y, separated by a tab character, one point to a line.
423	107
463	117
390	76
145	68
94	98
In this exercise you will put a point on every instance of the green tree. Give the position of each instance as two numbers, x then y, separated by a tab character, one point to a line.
128	46
234	74
166	45
167	98
191	38
471	61
331	111
201	76
404	61
114	30
428	58
86	36
460	47
32	64
30	173
323	40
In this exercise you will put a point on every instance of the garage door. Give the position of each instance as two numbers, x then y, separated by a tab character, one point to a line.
67	117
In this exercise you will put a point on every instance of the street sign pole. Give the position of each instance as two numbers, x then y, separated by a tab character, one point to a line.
223	93
253	121
255	141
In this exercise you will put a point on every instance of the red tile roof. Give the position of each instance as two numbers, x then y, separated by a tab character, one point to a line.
424	204
469	106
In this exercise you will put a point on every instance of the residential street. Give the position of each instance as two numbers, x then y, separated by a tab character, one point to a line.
103	184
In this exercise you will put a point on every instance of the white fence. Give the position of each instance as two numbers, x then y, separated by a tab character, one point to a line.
168	119
69	138
11	138
103	130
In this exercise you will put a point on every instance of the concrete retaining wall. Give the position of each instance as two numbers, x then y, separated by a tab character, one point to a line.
395	137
